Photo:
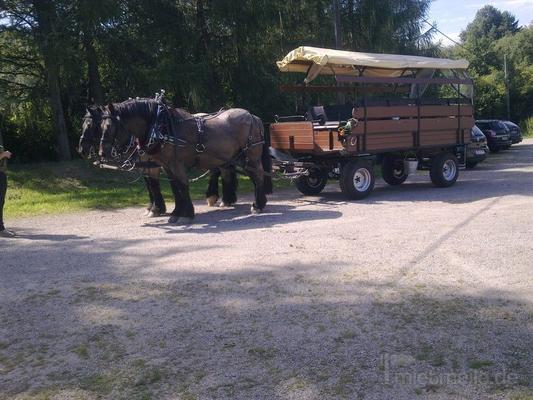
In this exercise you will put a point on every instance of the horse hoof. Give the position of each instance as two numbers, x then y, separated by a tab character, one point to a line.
212	201
154	214
184	221
255	211
146	212
173	219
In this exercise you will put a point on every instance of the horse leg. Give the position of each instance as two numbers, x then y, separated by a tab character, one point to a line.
175	214
256	173
229	186
149	189
159	207
158	202
212	189
183	214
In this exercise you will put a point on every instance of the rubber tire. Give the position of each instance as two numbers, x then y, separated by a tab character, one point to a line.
387	171
436	173
347	177
494	149
471	164
309	189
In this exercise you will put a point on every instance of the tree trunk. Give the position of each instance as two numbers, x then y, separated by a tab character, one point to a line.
44	15
352	24
202	54
337	24
95	94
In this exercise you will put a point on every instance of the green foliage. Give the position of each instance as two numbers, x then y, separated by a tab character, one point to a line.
527	127
51	188
206	54
492	35
490	96
490	23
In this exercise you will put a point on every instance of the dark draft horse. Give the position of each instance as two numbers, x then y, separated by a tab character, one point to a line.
179	141
89	143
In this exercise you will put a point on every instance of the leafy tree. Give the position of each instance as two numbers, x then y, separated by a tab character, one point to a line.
479	37
388	26
490	23
40	21
57	55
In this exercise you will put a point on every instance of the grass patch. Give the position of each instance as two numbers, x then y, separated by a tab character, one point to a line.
99	383
68	187
479	364
54	188
82	351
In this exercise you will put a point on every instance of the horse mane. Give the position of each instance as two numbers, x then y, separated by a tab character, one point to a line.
182	113
145	108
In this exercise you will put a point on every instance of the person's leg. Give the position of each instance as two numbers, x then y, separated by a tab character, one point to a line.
3	189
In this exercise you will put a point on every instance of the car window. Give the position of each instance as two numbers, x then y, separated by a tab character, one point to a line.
483	125
511	126
477	132
498	125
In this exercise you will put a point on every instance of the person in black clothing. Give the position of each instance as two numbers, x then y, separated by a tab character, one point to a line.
4	156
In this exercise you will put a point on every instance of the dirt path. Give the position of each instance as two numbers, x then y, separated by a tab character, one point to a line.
416	292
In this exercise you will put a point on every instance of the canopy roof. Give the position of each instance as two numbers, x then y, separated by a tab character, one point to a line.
316	61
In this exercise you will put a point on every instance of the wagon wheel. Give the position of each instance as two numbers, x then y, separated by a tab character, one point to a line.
444	170
357	179
393	170
313	183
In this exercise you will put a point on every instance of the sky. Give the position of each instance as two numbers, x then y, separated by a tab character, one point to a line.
452	16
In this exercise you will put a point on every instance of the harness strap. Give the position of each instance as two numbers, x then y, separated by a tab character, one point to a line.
200	125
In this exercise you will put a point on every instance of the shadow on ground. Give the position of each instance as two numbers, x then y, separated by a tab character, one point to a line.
299	331
239	218
507	173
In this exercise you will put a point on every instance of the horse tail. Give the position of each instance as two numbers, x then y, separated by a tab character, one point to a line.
266	160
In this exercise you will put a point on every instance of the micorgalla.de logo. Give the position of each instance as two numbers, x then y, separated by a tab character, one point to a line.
404	369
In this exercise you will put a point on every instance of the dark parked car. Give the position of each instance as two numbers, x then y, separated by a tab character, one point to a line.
477	149
497	134
516	132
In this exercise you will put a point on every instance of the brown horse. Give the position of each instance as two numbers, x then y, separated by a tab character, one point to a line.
90	141
178	142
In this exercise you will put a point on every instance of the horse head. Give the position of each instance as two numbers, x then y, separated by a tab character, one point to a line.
90	131
115	136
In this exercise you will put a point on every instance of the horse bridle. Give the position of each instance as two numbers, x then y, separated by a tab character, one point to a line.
115	153
96	125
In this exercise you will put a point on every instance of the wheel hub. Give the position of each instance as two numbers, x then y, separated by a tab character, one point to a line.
449	169
362	180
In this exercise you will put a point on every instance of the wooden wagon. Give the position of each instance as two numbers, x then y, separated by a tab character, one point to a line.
403	132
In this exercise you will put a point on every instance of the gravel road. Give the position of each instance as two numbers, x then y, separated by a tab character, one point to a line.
415	292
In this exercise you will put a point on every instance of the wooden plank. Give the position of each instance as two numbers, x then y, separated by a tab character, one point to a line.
376	142
427	124
386	112
381	147
390	125
429	138
445	111
389	112
322	140
299	134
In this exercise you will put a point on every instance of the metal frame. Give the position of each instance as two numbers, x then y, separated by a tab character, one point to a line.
399	80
